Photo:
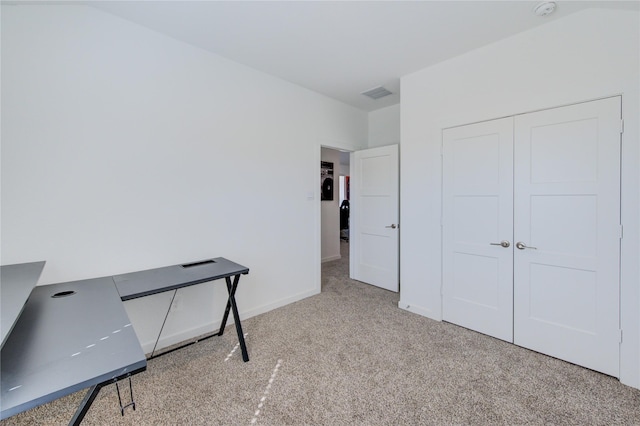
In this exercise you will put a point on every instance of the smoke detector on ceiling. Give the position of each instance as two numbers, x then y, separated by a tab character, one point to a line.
377	92
545	8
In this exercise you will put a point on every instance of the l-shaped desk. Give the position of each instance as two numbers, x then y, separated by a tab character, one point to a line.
76	335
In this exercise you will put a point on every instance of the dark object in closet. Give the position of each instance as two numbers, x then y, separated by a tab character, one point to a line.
344	220
344	216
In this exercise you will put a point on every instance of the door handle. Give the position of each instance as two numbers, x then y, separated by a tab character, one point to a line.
523	246
503	243
392	226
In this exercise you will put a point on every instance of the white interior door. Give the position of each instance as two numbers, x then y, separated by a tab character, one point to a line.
567	206
478	227
374	229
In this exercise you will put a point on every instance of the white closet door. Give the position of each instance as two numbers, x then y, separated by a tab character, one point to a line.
477	216
567	206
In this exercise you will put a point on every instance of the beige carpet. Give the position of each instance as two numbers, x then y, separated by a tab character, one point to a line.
349	356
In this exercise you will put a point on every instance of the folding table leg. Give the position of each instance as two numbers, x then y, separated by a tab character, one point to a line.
85	405
231	304
226	311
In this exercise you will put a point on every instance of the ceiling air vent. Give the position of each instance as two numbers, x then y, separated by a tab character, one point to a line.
377	92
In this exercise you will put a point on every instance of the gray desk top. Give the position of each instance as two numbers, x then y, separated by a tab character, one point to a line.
16	283
65	344
152	281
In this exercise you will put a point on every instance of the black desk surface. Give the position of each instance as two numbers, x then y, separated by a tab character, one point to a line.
152	281
64	344
16	283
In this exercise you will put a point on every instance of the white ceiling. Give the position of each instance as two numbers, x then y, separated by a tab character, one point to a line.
342	48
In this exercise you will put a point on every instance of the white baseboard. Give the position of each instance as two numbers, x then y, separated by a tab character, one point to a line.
425	312
212	327
330	258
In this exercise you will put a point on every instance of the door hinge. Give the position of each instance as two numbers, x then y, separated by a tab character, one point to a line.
621	126
620	340
621	231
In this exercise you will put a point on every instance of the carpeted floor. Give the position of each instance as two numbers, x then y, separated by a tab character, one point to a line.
349	356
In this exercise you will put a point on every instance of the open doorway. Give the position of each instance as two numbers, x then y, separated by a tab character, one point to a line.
335	217
373	243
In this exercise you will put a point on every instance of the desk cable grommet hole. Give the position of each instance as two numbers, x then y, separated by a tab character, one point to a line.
63	294
203	262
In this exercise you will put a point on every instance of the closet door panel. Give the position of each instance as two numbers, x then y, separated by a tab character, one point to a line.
478	212
567	214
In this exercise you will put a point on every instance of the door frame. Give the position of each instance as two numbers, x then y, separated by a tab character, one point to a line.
315	196
317	207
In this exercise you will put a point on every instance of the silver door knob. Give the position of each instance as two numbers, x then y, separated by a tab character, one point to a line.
503	243
520	245
392	226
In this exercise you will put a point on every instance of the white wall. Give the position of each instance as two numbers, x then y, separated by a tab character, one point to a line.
123	150
384	126
585	56
330	211
345	167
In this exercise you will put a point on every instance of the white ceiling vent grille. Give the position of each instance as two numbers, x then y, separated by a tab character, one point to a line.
377	92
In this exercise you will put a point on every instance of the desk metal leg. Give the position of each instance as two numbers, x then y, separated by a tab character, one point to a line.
85	405
231	289
163	323
231	304
130	404
93	392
